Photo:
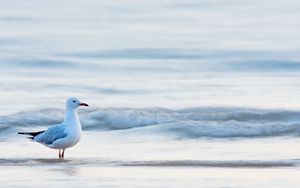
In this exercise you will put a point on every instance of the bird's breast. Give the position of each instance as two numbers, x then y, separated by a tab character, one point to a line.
73	136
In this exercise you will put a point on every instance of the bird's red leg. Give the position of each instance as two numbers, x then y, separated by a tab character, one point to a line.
59	155
63	154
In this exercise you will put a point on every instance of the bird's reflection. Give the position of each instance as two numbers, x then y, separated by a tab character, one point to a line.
65	166
52	161
67	170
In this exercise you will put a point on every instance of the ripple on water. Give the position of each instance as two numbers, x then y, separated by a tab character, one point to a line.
153	163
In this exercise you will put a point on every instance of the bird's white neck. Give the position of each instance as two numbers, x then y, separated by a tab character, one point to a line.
71	117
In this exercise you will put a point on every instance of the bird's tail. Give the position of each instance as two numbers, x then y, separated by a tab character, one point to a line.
32	134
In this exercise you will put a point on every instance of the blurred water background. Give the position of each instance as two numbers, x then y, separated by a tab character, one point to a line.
214	72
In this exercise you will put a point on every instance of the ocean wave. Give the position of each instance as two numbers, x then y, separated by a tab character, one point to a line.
162	60
230	129
185	123
198	60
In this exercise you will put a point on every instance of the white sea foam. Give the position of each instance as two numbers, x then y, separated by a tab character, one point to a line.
186	123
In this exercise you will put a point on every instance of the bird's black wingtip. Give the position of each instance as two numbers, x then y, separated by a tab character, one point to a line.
31	133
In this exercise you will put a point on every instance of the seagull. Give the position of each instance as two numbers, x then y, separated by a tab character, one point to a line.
64	135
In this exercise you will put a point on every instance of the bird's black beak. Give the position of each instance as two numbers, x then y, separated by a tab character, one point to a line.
83	104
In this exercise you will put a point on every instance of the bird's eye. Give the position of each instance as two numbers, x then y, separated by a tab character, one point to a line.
74	101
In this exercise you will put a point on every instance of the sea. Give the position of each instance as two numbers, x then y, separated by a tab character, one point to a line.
182	93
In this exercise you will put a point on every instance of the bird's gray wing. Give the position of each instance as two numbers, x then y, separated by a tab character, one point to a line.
51	134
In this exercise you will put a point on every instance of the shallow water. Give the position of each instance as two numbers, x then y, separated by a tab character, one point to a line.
64	176
171	163
110	161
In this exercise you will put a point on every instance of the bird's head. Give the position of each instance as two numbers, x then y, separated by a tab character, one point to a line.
73	103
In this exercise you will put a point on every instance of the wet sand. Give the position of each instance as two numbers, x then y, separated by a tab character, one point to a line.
80	173
104	160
